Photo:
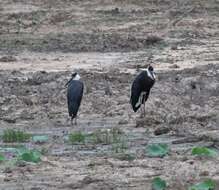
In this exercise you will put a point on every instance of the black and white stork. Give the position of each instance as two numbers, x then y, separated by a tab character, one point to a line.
141	87
74	96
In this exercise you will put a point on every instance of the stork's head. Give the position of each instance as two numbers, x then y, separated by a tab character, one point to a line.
75	76
151	72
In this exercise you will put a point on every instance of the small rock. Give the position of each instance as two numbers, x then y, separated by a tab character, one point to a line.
204	173
177	79
8	59
7	170
140	123
161	130
184	158
21	163
191	162
153	39
152	120
174	66
28	101
6	179
174	47
36	188
123	122
87	180
9	120
193	85
115	11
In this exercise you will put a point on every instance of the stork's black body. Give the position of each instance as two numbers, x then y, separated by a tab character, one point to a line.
74	96
141	87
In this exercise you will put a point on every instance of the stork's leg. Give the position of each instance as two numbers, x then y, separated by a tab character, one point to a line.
72	120
75	120
142	110
144	100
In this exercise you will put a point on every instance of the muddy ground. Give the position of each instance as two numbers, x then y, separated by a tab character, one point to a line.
108	42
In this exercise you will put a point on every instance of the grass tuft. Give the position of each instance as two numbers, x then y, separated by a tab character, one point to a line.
76	137
11	135
107	136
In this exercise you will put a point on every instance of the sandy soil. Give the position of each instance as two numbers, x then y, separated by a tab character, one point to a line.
107	42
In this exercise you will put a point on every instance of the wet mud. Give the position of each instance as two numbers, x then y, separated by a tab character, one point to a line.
108	43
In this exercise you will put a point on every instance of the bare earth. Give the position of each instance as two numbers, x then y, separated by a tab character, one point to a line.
43	41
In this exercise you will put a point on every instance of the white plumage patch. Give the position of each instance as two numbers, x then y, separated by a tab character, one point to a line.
154	75
151	75
140	99
77	77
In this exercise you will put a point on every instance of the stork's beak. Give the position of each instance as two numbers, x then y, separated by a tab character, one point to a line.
68	82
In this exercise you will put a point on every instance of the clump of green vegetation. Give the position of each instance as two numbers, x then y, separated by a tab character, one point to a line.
157	150
204	151
208	184
2	158
159	184
11	135
116	138
107	136
30	156
119	145
76	137
19	155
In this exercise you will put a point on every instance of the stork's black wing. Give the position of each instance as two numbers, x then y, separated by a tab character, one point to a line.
141	84
135	94
74	96
136	90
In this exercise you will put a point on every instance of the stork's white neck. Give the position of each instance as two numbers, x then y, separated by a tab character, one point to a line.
77	77
150	74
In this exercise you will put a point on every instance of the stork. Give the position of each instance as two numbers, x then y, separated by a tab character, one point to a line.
74	96
141	87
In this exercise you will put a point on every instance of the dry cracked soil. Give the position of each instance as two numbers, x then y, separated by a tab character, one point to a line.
108	42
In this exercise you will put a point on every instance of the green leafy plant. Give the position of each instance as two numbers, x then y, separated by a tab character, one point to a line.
40	138
11	135
157	150
2	158
30	156
208	184
203	151
76	137
20	153
158	184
